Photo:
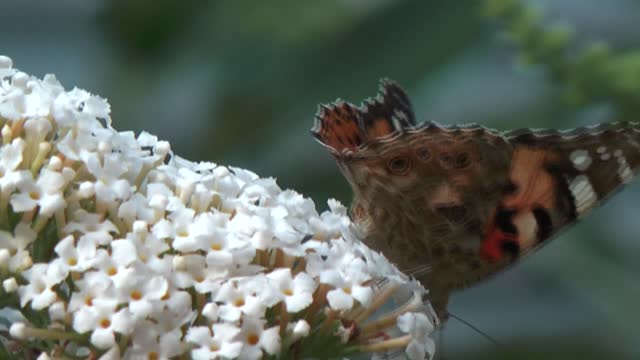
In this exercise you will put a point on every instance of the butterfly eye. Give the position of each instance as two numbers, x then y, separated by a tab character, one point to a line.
399	165
423	153
462	160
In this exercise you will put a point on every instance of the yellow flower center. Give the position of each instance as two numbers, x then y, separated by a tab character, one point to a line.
253	339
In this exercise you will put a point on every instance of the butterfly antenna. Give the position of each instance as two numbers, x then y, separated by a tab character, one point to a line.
417	271
473	327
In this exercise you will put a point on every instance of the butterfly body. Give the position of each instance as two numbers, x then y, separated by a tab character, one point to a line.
454	205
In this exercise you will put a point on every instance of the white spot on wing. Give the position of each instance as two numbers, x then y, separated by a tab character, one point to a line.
527	227
624	170
581	159
583	193
631	141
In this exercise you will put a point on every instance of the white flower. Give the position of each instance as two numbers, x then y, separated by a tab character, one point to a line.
297	292
136	208
18	245
5	67
192	270
10	158
330	224
37	128
41	278
258	339
45	192
43	356
239	298
226	184
10	285
58	311
299	330
220	344
77	104
92	226
94	285
149	341
18	330
419	327
76	258
109	186
112	354
143	292
346	272
347	289
210	311
103	320
148	255
194	233
176	306
147	249
115	266
12	103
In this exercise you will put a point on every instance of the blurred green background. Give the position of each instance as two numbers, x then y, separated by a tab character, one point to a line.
238	83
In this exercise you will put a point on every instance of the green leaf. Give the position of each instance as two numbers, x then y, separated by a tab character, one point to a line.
5	354
39	318
44	244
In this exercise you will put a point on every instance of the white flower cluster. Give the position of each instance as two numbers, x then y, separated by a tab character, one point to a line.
112	247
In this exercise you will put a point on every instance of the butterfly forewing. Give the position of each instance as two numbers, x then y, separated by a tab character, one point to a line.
592	161
466	201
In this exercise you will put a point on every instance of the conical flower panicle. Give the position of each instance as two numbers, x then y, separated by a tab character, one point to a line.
111	246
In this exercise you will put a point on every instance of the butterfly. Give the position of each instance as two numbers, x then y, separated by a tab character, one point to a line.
453	205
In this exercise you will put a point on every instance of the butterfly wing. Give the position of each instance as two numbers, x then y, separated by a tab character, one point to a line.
559	176
453	205
423	193
344	128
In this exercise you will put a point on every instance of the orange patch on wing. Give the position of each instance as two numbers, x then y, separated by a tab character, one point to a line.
339	127
535	185
380	128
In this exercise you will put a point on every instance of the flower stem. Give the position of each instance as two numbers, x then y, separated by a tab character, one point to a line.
378	301
52	334
389	319
386	345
